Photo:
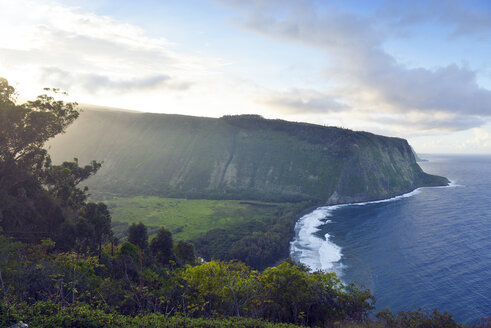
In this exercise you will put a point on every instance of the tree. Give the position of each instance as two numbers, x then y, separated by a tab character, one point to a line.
25	128
161	246
35	196
61	182
225	287
185	253
289	293
99	218
137	235
130	250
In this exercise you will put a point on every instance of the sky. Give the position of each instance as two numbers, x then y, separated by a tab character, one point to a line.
419	70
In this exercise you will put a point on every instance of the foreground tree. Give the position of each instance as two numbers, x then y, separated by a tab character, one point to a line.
25	128
36	196
61	182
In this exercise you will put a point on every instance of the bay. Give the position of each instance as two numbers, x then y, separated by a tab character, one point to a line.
429	249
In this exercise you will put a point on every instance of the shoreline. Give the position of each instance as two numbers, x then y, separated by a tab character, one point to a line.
318	253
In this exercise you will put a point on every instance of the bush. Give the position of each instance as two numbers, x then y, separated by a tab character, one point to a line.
48	315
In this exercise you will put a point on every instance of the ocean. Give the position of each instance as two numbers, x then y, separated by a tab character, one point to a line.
427	249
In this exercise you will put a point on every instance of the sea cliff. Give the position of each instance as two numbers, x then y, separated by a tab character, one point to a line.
241	157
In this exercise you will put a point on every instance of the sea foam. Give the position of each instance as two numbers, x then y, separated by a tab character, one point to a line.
314	251
318	252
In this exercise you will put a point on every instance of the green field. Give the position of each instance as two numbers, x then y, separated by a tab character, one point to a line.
186	218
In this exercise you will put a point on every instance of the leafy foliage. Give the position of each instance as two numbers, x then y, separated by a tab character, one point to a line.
185	253
48	289
161	246
134	282
36	197
137	235
258	243
61	182
48	315
419	318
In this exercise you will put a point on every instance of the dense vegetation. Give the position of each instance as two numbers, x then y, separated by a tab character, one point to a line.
255	233
144	288
258	243
48	315
156	279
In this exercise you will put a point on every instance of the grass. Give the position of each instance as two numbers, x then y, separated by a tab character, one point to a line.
186	218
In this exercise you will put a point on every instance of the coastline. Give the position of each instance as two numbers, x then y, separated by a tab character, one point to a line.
321	254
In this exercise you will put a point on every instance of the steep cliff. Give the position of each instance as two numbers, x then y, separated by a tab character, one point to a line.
245	157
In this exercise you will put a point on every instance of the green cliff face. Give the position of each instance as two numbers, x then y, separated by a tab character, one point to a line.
244	157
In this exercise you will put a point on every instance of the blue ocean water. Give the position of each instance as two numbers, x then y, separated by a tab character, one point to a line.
430	249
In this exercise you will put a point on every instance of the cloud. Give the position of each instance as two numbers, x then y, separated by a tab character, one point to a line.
88	55
481	140
463	20
450	89
95	83
428	124
299	101
98	59
101	60
366	75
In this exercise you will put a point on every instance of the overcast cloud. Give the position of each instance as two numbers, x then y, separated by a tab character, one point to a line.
368	76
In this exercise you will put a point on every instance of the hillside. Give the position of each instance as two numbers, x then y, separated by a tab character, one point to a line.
238	157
